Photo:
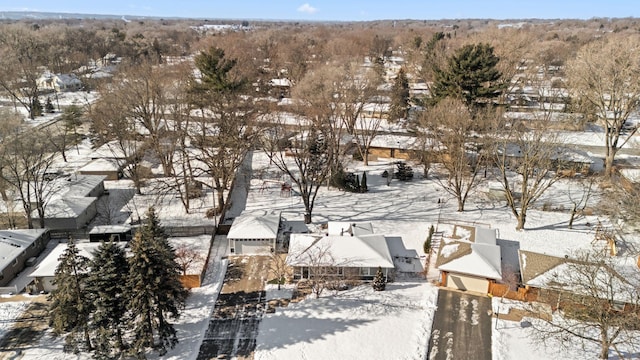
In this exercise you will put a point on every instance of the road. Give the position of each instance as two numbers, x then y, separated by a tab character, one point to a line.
461	327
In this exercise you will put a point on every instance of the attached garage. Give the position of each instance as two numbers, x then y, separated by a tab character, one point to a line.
470	259
254	234
467	283
252	247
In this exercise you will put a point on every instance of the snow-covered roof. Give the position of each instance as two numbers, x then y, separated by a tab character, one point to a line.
48	265
341	251
249	226
102	164
14	242
341	228
567	274
113	150
79	185
284	82
392	141
110	229
70	207
476	255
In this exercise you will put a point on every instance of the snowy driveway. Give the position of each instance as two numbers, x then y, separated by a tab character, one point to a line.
461	327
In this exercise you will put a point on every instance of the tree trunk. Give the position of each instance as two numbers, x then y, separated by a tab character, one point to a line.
604	347
522	218
574	210
307	217
608	163
460	204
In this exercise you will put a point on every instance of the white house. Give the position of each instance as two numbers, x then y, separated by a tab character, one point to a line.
58	82
44	272
346	249
470	259
254	234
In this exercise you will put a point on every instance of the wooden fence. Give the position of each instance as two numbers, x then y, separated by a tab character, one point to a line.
9	290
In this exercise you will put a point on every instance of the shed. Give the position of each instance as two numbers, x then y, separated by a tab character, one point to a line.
254	234
108	232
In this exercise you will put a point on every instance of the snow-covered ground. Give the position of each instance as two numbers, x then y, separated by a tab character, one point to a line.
394	324
355	324
9	311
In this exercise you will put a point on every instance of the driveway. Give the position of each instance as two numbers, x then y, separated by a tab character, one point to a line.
233	328
461	327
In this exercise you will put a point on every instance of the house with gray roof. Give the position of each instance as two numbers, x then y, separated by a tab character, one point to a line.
16	247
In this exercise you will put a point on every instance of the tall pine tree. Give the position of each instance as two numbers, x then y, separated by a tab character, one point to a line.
107	286
156	294
70	304
399	107
471	75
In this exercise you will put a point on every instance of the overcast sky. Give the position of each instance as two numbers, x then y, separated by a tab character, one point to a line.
344	10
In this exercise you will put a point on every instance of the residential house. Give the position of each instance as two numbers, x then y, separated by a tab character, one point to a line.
16	247
44	272
254	234
344	250
392	146
551	276
470	259
74	206
58	82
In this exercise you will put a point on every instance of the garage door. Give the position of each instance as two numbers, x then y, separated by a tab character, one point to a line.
469	283
253	248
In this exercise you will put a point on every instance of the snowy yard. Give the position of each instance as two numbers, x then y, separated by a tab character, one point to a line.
360	323
354	324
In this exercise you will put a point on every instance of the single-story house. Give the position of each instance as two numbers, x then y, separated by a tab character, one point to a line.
565	159
16	247
470	261
111	168
353	251
44	272
108	232
74	206
617	280
58	82
392	146
254	234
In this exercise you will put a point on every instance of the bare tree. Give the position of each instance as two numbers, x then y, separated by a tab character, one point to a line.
23	56
452	127
527	160
187	256
27	160
278	268
580	196
604	76
306	159
599	305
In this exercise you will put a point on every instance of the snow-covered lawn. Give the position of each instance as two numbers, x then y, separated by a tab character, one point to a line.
353	324
9	312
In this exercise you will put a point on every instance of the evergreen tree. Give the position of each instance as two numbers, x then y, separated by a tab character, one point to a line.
379	282
399	107
363	185
70	304
48	106
156	294
107	287
36	107
470	75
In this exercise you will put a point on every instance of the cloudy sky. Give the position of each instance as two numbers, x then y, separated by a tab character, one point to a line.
338	10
